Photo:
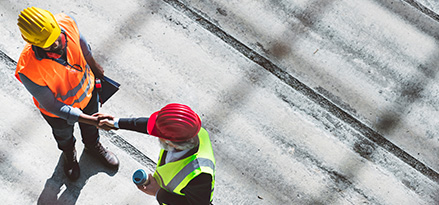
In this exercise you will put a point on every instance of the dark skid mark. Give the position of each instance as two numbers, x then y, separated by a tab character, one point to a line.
365	148
423	9
8	60
130	149
337	100
305	90
221	11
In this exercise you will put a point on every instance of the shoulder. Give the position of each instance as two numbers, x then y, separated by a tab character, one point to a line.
66	21
61	17
27	57
30	66
27	51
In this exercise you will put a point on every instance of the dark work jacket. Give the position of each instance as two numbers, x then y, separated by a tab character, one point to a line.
197	191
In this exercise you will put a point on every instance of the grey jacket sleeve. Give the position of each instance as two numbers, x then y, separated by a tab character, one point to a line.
85	47
48	101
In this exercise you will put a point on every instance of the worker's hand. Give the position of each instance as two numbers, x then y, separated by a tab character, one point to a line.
102	116
105	121
92	120
151	188
106	127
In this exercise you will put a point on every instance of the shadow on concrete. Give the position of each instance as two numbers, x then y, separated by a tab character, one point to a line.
60	190
281	48
411	91
124	32
313	12
416	15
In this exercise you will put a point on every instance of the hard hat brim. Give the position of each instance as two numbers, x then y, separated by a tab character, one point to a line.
151	126
52	38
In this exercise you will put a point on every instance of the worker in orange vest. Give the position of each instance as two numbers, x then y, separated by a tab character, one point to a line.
58	69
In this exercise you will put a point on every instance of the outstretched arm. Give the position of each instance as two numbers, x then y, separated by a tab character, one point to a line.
134	124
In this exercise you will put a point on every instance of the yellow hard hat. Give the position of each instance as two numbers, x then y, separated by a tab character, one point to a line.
38	27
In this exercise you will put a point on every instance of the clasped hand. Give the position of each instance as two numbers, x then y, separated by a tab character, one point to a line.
105	121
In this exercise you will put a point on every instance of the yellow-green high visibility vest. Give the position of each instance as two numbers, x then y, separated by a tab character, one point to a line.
174	176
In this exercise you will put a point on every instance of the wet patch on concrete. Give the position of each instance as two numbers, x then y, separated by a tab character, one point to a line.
221	11
428	71
412	91
365	148
387	122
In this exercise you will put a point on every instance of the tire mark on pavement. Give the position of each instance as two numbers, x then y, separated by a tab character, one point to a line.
130	149
8	60
305	90
423	9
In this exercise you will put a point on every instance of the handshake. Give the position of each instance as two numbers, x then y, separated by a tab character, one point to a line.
105	121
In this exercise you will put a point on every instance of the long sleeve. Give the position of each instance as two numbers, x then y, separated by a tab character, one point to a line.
85	47
48	101
197	192
134	124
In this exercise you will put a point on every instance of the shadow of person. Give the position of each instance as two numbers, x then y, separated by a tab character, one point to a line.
60	190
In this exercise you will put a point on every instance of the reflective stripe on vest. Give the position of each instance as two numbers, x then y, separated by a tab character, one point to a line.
71	93
75	90
69	85
174	176
188	169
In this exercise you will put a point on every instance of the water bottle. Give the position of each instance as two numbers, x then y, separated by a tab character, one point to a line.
140	177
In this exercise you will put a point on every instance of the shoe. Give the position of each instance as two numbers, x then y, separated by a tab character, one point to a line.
71	165
106	156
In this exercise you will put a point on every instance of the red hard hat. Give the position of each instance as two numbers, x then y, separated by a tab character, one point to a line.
174	122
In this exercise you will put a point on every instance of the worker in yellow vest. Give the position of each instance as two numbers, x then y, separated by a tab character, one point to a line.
185	172
56	66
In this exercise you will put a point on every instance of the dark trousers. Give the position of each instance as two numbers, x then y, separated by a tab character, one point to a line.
63	132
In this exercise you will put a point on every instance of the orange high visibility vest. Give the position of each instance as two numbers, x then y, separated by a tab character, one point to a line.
71	85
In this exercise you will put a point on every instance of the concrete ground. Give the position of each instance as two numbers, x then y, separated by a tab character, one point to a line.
306	101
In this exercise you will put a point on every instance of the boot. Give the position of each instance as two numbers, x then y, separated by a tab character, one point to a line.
107	157
71	166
